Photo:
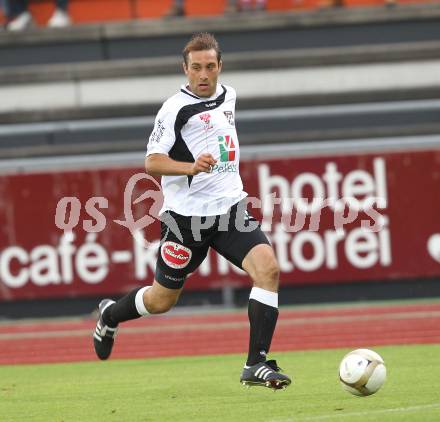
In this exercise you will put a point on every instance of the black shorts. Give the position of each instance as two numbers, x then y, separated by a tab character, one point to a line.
185	241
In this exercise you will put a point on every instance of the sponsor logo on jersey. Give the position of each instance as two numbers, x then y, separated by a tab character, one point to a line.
213	104
230	117
227	148
224	168
175	255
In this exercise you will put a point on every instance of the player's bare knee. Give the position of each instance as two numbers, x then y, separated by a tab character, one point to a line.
267	275
271	269
160	307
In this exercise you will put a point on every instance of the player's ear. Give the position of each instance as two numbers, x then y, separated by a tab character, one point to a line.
220	65
185	68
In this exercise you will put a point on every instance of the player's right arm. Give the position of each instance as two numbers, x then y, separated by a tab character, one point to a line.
161	165
161	141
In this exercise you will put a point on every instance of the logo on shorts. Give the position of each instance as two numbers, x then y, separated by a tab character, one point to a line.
227	148
175	255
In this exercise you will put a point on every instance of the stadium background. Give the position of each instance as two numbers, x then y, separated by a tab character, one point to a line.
353	88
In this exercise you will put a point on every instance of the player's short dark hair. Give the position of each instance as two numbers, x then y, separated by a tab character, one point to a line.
200	42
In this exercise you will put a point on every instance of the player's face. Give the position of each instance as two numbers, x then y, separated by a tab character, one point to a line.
202	71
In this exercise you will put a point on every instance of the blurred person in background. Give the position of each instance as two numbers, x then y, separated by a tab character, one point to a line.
232	6
247	5
16	11
4	11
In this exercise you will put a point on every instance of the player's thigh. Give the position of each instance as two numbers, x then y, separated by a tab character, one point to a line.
235	244
246	246
262	266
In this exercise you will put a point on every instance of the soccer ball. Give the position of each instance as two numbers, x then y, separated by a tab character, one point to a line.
362	372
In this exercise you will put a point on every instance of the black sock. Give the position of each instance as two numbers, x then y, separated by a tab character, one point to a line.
263	319
123	310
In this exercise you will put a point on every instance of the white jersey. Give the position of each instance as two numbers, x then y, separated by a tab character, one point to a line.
187	126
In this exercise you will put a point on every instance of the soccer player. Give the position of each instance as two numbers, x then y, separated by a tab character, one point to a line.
232	6
194	147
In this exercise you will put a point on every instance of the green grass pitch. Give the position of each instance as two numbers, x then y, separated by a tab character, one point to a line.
207	388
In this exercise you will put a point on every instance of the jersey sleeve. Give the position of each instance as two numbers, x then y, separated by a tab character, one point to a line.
162	137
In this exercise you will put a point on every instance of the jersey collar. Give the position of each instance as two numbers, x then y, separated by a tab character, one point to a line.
219	90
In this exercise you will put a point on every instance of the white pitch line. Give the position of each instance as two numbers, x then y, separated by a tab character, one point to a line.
338	416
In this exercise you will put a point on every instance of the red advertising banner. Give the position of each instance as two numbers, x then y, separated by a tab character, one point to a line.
330	219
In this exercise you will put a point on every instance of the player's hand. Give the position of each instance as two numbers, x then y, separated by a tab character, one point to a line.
203	163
